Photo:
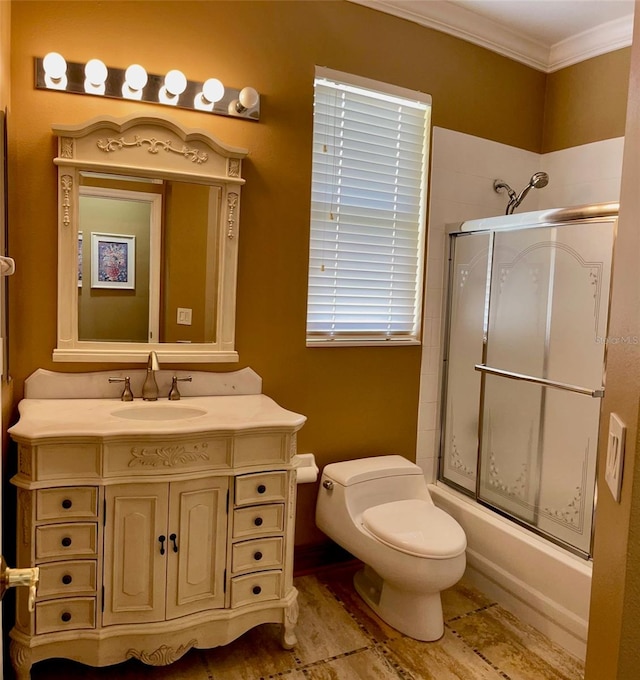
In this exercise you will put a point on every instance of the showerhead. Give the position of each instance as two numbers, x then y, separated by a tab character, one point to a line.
538	180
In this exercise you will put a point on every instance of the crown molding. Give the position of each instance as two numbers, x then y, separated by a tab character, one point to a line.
461	23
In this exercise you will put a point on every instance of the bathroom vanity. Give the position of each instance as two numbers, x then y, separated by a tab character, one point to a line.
157	526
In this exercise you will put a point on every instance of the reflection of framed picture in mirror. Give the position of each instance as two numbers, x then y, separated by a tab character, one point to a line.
79	259
113	259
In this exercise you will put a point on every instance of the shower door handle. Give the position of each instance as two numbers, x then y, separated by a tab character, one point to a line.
597	393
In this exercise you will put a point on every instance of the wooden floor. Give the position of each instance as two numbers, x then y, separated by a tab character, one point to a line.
340	638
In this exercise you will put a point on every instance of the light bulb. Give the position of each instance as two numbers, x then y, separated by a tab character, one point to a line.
55	71
175	82
54	65
135	77
248	97
213	90
95	72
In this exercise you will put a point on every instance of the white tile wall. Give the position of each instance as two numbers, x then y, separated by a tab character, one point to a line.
462	174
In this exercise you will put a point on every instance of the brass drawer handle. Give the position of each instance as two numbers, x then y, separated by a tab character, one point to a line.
258	521
65	617
256	590
257	556
66	542
67	503
66	579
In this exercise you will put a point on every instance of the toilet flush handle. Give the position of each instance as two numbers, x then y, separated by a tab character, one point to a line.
328	484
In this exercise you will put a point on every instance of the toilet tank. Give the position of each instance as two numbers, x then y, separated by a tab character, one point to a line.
366	482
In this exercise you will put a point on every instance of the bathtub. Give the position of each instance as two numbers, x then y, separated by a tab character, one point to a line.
541	583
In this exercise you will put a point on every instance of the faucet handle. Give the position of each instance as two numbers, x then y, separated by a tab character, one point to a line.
127	394
174	394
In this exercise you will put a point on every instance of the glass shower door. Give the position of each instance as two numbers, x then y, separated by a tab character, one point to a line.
543	373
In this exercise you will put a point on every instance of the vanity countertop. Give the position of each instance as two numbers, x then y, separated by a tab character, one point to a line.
40	418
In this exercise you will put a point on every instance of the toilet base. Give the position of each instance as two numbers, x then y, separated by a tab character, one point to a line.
418	615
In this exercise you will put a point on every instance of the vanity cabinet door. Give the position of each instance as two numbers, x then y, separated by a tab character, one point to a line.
197	546
135	547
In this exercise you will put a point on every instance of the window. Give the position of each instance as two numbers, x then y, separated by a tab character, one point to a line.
369	178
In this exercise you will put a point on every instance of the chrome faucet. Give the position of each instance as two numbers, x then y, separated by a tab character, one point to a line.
150	387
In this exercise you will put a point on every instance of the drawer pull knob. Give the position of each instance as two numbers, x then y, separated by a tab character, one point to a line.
66	579
261	488
67	503
65	616
257	590
258	521
162	539
172	537
66	541
257	556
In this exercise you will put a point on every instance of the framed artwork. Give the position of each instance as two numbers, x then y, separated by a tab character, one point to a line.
79	259
113	261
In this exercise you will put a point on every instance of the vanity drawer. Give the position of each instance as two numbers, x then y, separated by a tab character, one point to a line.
261	553
258	587
67	461
258	520
77	502
76	577
66	540
261	487
68	614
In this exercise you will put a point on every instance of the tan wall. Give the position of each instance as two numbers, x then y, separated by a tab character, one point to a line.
358	401
614	644
586	102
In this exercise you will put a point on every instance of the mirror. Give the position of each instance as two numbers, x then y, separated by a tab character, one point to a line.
148	231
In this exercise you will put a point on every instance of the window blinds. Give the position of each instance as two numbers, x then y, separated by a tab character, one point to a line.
370	152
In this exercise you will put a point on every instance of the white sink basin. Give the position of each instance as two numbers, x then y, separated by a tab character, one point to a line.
159	412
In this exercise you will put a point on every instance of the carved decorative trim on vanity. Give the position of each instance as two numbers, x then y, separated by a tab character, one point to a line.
24	503
232	204
66	184
233	167
162	656
169	456
24	461
155	145
66	147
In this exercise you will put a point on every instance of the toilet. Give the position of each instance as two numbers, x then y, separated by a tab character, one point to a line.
379	509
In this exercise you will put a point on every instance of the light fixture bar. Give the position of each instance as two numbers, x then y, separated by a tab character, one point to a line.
130	84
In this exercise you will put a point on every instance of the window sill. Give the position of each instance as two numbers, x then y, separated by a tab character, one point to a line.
361	342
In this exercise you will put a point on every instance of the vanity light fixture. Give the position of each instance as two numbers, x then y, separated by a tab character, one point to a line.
94	77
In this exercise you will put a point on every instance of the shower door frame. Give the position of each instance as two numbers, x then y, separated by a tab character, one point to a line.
603	212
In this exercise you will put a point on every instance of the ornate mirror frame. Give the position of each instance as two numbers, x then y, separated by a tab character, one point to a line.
153	148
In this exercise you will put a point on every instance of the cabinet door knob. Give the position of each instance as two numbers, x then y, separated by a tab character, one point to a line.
172	537
66	579
162	539
256	590
66	541
258	521
67	503
261	488
65	616
257	556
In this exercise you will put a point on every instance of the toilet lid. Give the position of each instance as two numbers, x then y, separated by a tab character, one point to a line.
417	528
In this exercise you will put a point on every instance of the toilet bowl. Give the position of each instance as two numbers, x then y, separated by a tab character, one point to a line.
379	509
